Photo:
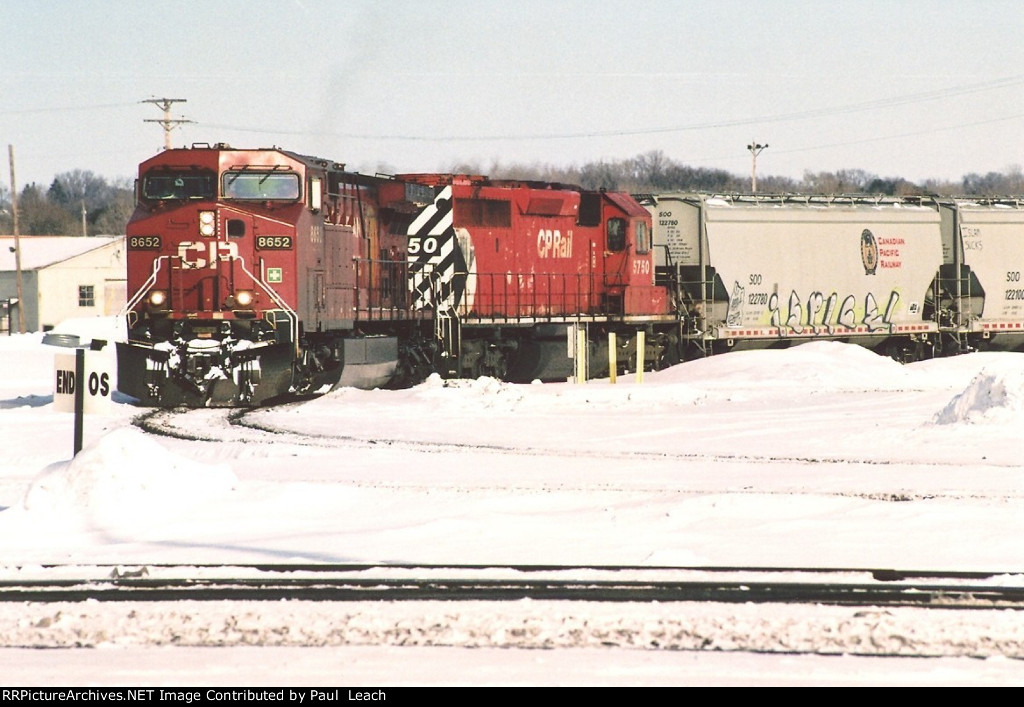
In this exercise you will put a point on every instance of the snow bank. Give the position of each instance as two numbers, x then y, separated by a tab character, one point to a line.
126	473
995	394
816	365
511	625
83	330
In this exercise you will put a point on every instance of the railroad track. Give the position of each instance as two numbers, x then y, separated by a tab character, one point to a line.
218	425
392	583
243	425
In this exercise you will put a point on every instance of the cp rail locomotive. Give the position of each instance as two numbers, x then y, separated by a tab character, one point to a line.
257	273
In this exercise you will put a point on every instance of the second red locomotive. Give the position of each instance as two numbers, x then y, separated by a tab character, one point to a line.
507	267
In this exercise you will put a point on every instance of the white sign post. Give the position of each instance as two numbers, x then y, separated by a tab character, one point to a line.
82	384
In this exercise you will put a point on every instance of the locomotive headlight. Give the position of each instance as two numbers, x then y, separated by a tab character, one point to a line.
207	223
243	298
158	299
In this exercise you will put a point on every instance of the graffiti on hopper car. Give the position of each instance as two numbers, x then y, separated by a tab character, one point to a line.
820	314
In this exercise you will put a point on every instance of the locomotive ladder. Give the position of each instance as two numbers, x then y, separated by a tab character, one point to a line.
694	313
448	332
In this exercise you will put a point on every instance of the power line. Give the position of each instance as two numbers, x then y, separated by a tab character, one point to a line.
877	138
66	109
876	104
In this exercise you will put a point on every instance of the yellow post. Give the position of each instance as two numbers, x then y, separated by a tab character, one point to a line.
613	364
641	347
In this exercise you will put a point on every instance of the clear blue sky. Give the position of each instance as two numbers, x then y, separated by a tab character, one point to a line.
912	88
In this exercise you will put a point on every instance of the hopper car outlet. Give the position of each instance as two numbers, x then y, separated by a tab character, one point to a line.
255	274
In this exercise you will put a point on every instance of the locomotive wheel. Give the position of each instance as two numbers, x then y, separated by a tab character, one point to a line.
494	364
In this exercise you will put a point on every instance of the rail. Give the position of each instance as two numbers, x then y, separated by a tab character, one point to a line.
346	583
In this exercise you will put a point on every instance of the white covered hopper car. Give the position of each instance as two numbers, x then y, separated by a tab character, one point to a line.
907	277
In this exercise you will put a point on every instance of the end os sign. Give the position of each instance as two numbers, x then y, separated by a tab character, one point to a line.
98	382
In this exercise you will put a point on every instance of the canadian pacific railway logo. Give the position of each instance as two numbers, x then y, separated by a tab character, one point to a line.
869	252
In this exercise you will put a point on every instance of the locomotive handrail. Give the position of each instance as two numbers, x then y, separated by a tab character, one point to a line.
548	295
276	298
386	294
146	287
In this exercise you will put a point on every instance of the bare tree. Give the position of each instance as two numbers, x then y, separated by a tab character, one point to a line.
39	216
6	217
111	218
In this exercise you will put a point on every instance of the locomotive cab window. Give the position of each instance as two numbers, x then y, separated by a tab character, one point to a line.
261	186
643	238
616	234
165	186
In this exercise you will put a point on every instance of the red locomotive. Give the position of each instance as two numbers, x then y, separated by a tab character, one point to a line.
508	267
258	273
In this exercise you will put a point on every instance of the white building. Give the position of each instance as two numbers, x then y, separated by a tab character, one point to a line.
62	277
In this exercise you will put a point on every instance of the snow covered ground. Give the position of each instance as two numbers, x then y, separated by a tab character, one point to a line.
821	456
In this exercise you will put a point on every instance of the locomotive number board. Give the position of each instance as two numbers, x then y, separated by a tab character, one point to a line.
144	242
273	242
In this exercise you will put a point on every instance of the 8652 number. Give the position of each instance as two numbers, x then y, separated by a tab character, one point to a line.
144	242
273	242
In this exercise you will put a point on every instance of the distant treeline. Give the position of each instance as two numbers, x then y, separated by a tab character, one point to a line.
77	203
58	210
654	172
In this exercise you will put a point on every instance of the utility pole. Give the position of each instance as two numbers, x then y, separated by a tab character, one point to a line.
17	244
755	150
167	121
84	232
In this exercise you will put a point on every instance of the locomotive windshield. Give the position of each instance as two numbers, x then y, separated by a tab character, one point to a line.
179	185
261	186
